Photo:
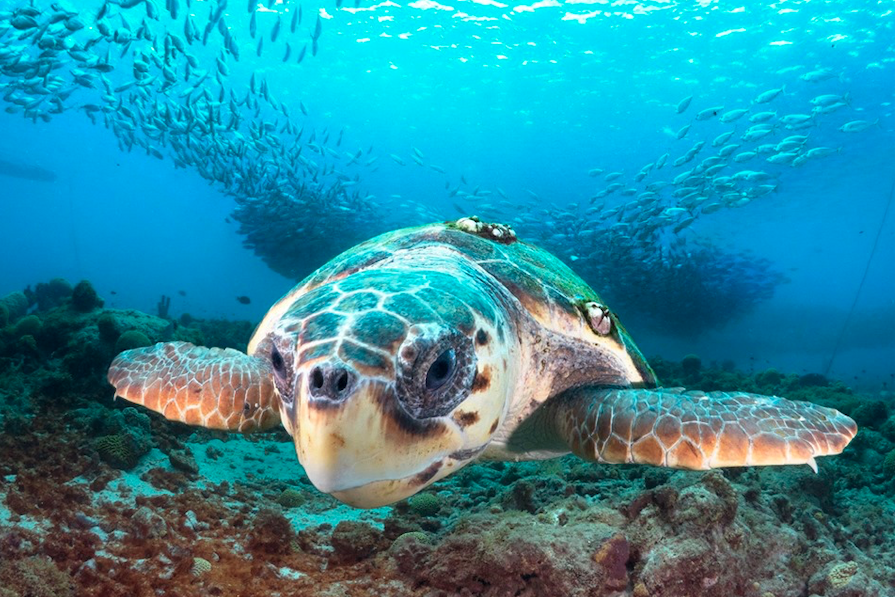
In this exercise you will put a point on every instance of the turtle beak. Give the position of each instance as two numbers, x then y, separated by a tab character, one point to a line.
357	444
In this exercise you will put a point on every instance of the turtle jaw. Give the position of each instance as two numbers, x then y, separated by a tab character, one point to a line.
367	452
382	493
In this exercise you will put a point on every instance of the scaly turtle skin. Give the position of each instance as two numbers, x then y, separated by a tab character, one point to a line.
421	350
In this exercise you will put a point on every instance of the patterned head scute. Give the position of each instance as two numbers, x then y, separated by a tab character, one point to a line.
393	377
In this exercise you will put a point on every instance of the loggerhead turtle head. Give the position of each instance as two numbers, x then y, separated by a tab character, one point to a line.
392	378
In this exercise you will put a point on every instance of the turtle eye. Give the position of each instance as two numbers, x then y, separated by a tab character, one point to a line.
441	370
282	372
276	359
436	368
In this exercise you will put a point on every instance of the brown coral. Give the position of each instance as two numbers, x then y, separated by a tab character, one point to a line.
270	533
519	555
841	574
353	541
35	577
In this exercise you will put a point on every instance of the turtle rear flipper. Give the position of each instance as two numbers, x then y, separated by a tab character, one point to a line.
211	387
694	430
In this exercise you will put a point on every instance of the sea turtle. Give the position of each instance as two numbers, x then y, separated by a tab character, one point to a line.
424	349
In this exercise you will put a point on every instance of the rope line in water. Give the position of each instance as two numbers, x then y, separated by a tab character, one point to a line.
854	303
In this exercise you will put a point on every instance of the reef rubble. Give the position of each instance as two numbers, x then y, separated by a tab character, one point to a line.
98	498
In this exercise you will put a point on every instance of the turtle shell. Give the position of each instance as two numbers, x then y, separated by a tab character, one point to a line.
555	296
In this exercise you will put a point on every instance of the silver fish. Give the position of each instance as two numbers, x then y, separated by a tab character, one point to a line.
821	152
829	99
783	158
722	138
762	117
734	115
768	96
684	104
856	126
709	113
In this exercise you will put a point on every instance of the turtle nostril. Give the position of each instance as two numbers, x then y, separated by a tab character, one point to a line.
330	382
341	380
316	378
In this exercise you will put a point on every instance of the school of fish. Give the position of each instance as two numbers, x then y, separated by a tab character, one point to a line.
132	66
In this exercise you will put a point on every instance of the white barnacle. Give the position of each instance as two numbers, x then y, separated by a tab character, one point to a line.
467	224
598	318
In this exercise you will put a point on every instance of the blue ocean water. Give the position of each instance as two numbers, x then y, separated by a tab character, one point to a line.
723	174
526	99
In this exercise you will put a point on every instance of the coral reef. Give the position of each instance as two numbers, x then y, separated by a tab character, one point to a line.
519	554
354	541
34	576
84	297
270	533
131	339
291	498
107	326
16	304
27	326
98	498
425	504
117	450
691	365
889	464
769	378
222	333
200	567
50	294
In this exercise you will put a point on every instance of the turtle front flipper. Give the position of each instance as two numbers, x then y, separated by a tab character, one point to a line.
212	387
695	430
